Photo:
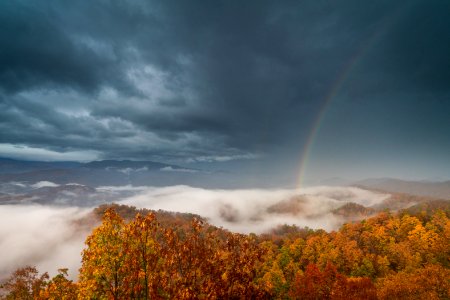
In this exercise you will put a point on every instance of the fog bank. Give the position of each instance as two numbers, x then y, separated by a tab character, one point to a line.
258	210
45	237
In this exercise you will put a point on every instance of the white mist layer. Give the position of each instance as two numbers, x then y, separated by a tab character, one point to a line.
45	237
42	184
248	211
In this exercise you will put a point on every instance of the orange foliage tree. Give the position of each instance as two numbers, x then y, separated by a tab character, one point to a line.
25	283
141	260
103	270
430	282
59	288
329	284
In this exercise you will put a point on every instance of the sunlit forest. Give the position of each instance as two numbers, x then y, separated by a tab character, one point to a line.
142	254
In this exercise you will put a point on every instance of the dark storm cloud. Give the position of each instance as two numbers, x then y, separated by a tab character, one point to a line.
37	52
408	53
418	47
202	78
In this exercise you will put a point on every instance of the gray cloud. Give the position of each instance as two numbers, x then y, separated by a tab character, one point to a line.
183	81
37	52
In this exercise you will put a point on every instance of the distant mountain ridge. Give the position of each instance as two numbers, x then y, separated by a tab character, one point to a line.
420	188
8	165
96	173
124	164
130	172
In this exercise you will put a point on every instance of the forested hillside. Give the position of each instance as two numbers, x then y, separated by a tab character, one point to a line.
141	254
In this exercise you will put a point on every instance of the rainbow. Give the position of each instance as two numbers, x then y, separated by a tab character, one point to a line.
327	101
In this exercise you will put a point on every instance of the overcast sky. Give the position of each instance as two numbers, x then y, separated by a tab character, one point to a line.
238	85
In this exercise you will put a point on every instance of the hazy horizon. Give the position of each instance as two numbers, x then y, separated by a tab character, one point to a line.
325	179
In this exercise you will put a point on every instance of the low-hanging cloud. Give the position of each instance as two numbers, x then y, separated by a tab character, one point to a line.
41	184
254	210
42	236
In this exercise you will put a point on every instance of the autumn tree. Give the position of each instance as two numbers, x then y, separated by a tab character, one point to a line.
59	288
353	288
103	261
187	258
25	283
238	262
329	284
143	259
431	282
313	283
